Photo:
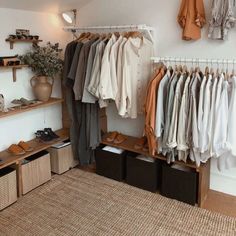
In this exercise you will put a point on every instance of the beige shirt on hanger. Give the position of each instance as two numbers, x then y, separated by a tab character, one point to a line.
96	70
107	86
135	76
119	67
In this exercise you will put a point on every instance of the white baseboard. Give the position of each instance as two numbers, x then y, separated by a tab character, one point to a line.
223	183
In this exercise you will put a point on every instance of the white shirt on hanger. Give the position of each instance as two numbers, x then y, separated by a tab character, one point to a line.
211	120
119	67
136	73
221	144
160	110
203	135
194	99
228	160
107	85
182	142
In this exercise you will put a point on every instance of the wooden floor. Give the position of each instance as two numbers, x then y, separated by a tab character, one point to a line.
221	203
218	202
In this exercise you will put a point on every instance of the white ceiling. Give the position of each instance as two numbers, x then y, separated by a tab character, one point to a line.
55	6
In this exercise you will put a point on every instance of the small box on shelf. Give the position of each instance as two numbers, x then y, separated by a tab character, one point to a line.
179	183
143	172
110	164
36	170
8	187
62	159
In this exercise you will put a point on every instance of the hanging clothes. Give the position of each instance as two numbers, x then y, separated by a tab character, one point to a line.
222	19
191	18
187	116
136	71
99	69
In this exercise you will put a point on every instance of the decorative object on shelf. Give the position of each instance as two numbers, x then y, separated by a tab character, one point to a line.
22	32
2	104
41	87
9	61
22	35
45	61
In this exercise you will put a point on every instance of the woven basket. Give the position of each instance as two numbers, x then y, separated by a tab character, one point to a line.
8	189
36	172
62	159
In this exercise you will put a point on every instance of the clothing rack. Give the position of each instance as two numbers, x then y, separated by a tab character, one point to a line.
194	60
148	30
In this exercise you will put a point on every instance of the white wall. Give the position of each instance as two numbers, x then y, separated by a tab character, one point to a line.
49	28
161	15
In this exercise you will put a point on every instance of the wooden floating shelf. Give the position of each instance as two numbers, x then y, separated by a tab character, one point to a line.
50	102
33	41
14	68
8	159
129	143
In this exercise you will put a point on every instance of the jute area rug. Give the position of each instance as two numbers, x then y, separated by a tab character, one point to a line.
82	203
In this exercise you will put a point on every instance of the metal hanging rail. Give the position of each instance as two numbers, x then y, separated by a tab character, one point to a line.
193	60
142	28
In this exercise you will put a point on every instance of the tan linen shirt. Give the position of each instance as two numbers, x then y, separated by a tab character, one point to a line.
191	18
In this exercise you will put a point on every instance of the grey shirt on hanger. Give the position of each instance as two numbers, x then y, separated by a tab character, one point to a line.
87	96
81	69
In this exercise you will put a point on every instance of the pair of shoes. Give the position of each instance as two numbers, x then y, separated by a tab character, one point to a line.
46	135
20	148
142	144
116	137
23	102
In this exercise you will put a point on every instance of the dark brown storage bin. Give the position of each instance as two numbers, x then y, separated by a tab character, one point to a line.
110	165
179	184
143	174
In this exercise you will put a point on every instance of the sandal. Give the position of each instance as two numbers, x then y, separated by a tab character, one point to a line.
16	150
25	146
120	138
140	143
111	137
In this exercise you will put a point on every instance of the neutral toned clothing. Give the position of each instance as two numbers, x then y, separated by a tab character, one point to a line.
182	143
172	135
74	64
135	75
191	18
169	109
96	70
217	107
203	134
222	19
81	69
228	160
119	71
107	85
160	111
201	111
211	121
113	61
220	143
87	96
193	123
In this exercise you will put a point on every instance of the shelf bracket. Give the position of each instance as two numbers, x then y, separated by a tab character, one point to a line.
14	69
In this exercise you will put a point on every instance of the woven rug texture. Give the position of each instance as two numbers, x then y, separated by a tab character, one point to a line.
83	203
